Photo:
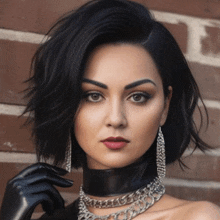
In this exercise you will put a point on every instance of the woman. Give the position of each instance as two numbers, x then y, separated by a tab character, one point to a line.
104	84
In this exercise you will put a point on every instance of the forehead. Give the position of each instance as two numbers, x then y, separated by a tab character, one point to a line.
122	63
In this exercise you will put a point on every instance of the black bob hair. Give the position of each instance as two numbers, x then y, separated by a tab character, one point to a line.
58	65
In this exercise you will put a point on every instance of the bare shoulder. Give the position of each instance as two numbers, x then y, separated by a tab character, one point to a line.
202	211
178	209
195	210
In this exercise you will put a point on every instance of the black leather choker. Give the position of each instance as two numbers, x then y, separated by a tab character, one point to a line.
112	182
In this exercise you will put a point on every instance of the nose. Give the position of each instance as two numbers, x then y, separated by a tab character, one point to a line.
116	116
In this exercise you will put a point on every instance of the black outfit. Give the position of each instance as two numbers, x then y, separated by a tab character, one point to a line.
69	213
109	182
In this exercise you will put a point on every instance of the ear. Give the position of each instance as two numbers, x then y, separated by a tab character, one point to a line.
166	106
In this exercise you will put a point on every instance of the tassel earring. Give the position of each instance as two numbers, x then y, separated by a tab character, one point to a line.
161	157
67	165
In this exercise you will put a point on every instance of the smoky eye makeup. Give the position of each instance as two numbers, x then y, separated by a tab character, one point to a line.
93	96
139	97
138	92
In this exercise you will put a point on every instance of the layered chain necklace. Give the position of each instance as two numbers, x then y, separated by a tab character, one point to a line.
140	201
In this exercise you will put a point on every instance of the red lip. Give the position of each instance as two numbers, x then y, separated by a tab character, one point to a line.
115	143
115	139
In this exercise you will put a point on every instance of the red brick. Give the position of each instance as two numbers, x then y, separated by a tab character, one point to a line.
208	80
15	67
194	194
199	8
201	167
14	137
211	43
211	134
179	31
34	16
31	16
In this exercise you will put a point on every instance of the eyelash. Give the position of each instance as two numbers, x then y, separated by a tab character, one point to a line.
87	95
144	95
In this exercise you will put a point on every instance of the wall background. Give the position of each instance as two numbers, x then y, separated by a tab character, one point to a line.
195	25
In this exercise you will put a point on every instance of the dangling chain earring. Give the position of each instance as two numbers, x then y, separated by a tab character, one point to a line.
68	156
161	157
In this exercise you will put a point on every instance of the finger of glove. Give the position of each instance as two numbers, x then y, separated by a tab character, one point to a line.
29	214
38	168
29	172
24	213
48	177
46	202
48	189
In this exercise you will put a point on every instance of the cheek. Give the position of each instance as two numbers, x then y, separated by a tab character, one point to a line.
86	126
145	124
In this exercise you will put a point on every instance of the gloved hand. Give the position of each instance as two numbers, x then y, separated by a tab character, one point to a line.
32	186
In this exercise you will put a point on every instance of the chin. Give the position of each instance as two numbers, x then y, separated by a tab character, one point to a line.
111	160
116	163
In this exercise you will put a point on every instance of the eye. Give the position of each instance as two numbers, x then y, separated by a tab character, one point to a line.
93	97
140	97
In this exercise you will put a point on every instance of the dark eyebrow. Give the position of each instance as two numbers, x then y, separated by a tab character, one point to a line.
139	82
129	86
95	83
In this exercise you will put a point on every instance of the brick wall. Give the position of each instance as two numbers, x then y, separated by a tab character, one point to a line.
195	25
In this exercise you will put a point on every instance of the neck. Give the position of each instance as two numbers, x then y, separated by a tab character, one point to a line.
113	182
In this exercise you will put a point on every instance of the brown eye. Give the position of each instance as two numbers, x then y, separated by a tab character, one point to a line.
140	97
137	98
93	97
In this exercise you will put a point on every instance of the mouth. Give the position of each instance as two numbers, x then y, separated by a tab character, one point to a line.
116	139
115	143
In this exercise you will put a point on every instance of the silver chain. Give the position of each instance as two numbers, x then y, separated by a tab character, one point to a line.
161	156
152	193
111	203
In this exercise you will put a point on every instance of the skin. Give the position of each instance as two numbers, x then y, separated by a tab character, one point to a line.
117	111
132	113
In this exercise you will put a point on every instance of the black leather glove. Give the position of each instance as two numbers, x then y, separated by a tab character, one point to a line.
32	186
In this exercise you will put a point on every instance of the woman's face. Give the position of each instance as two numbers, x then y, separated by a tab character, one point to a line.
123	97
